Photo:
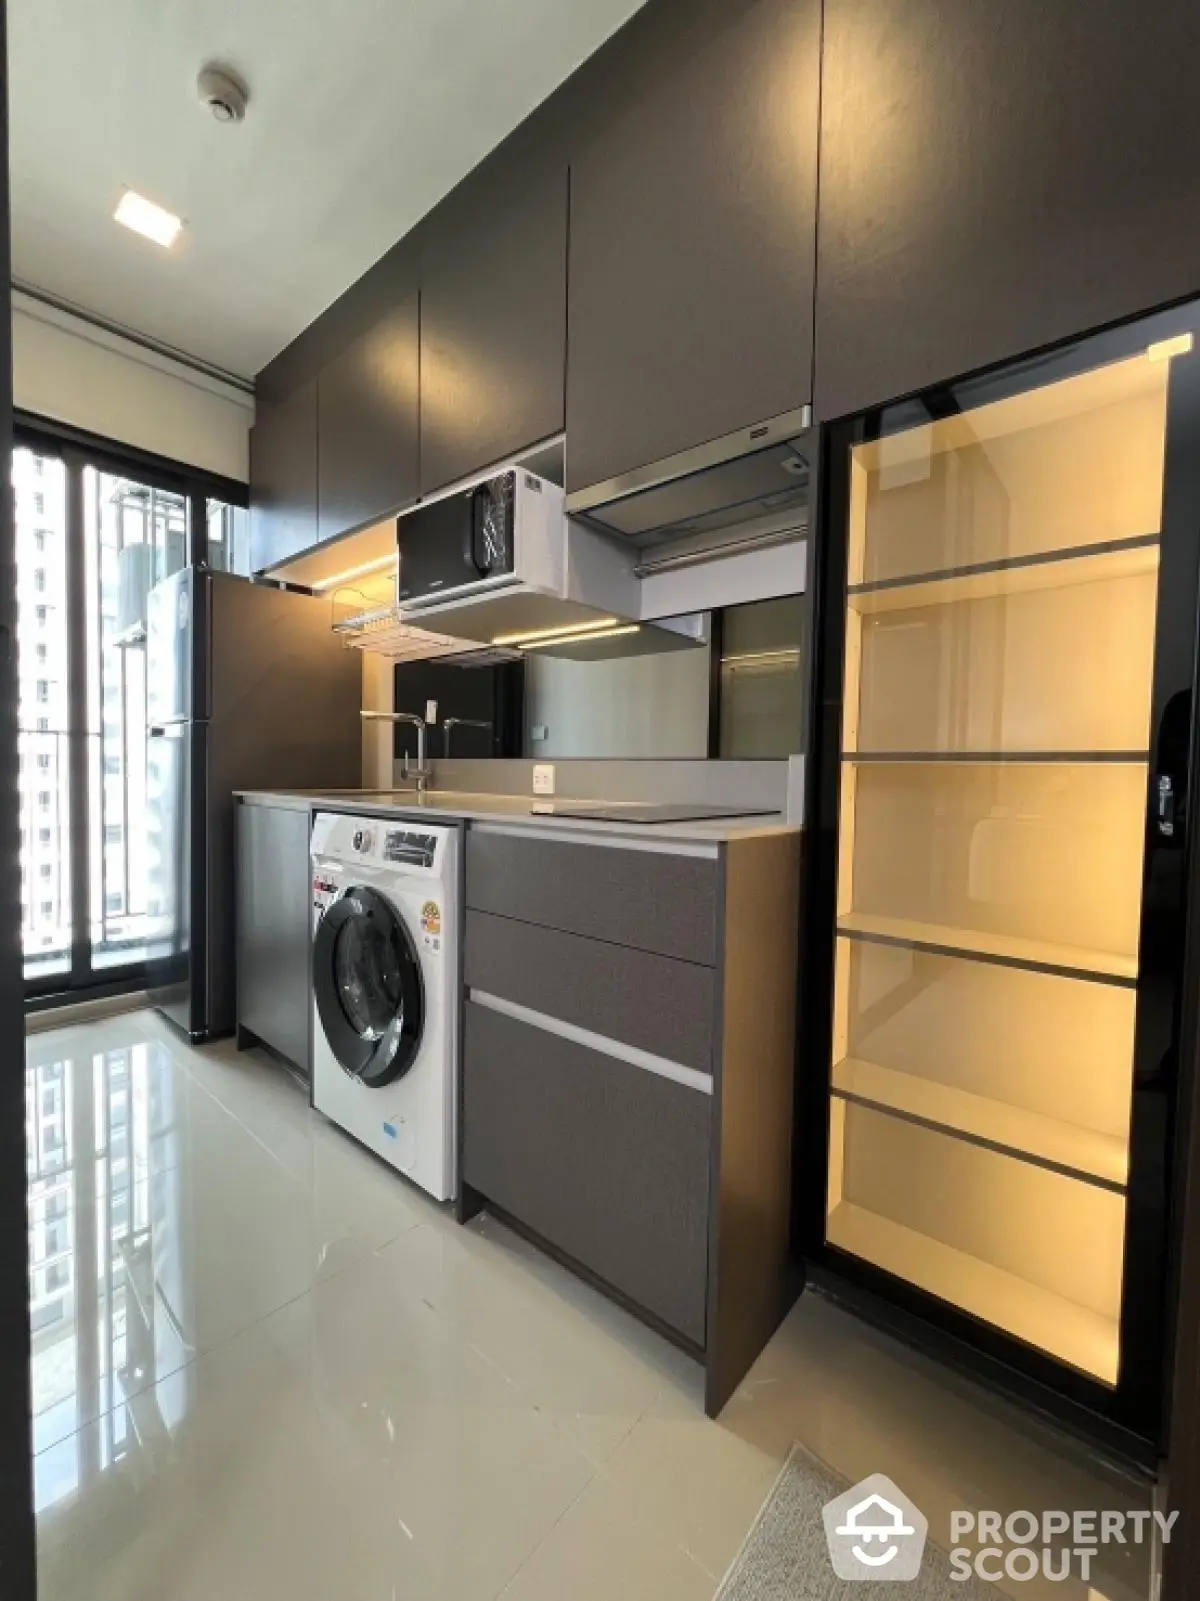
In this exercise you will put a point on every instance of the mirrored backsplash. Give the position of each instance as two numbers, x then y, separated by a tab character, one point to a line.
739	695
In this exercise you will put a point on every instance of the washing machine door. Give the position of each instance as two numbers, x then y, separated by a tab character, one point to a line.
368	988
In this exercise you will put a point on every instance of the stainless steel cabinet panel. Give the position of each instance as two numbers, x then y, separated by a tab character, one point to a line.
607	1162
274	922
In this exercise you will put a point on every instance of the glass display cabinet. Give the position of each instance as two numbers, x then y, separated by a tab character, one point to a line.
1003	725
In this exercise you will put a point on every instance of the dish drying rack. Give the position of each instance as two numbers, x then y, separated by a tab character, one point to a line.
383	631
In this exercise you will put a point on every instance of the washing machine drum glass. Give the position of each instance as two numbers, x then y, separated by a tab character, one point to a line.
367	980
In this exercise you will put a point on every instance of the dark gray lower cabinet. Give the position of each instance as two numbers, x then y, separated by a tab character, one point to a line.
643	899
654	1003
274	897
603	1159
628	1070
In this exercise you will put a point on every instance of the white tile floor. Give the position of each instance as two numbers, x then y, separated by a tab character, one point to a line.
289	1377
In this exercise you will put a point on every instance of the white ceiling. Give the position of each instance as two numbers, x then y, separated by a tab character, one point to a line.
363	114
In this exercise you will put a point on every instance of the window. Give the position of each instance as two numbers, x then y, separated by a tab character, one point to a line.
76	516
47	869
44	762
228	538
56	1276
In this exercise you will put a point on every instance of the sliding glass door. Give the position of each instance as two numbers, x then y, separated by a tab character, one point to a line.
93	538
128	526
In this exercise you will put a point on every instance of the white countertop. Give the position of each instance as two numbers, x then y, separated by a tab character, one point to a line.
514	809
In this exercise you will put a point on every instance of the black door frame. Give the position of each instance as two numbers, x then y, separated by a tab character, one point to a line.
78	449
1129	1419
18	1560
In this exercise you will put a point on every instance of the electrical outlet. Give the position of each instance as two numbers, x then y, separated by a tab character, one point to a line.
543	779
431	713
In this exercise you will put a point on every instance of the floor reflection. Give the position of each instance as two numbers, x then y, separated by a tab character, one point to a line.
108	1286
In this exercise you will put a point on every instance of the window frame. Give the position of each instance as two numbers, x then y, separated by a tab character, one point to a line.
78	450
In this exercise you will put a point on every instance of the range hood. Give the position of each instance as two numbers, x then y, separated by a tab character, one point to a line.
756	475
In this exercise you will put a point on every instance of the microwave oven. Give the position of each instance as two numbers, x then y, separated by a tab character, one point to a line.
506	530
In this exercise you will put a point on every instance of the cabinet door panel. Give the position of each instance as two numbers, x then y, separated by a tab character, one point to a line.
605	1160
274	921
638	998
367	425
283	477
643	899
692	238
493	336
995	178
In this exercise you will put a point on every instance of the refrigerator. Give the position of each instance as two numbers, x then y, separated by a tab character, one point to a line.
247	689
999	984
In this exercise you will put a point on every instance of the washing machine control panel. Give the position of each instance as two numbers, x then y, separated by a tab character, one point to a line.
363	841
407	846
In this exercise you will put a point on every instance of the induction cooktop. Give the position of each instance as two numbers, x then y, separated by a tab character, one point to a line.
645	812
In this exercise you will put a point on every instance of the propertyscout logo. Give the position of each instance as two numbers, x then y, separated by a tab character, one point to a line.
875	1532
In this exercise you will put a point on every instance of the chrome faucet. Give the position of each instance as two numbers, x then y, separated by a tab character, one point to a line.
421	773
458	722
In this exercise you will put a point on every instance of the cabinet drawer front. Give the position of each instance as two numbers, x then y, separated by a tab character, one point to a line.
645	899
606	1161
655	1003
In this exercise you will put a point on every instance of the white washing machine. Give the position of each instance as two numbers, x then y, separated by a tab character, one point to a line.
385	989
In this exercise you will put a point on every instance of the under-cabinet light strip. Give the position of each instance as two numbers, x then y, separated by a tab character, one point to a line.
583	639
379	565
561	632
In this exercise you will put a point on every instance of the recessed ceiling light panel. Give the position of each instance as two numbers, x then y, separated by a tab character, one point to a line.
144	217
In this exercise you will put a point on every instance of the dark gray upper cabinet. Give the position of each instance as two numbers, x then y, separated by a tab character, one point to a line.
692	241
493	334
367	425
995	178
283	477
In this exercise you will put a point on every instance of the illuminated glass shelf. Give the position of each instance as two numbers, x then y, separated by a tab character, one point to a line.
1050	569
1074	1334
1043	955
1031	1136
1137	758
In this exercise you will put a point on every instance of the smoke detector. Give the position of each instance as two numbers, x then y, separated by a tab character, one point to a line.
223	92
